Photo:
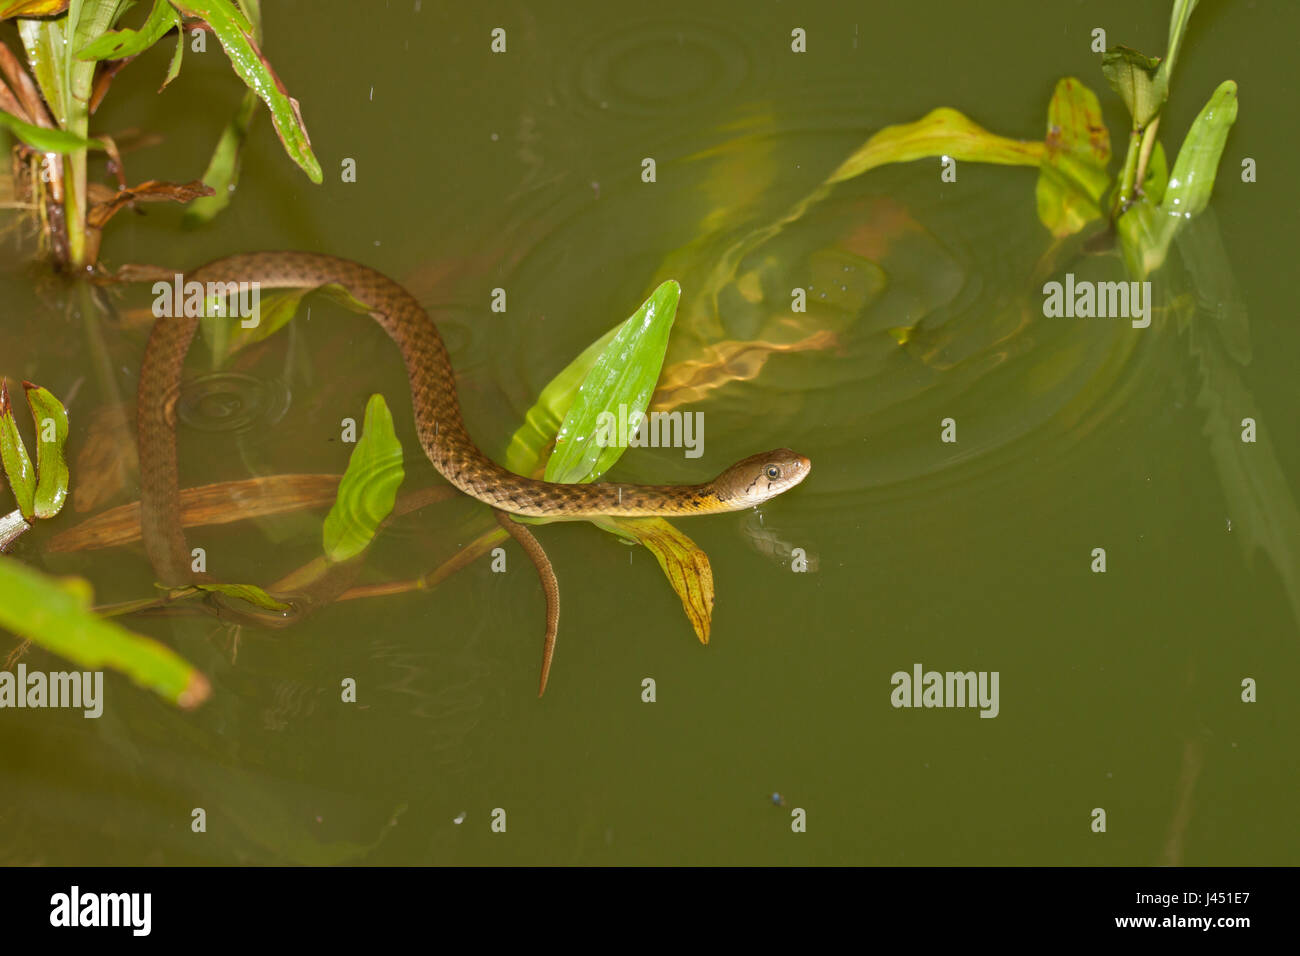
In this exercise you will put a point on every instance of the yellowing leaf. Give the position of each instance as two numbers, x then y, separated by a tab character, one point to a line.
941	132
684	564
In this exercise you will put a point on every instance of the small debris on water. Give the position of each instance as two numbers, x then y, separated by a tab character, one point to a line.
459	818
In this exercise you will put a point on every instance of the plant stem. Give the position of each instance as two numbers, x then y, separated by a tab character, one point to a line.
1148	144
12	526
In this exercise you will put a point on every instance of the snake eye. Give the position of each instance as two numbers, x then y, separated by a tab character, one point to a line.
773	472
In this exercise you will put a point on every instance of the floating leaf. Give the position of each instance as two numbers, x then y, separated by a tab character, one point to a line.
51	420
119	44
236	36
13	455
1073	177
55	615
619	383
369	486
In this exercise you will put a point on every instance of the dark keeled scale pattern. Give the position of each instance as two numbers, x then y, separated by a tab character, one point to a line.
433	395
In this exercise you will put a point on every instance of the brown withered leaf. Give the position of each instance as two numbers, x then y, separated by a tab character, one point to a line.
220	503
150	191
107	461
24	87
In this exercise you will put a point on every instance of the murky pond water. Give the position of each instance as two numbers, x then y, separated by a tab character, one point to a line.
523	171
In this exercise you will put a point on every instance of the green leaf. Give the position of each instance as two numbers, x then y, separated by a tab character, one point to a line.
531	440
55	615
42	41
1146	230
222	173
119	44
1157	175
1137	79
1178	17
174	67
618	385
44	139
369	486
13	455
1192	179
275	310
51	420
1073	177
941	132
246	592
237	39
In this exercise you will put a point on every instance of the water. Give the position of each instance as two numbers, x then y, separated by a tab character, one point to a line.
522	171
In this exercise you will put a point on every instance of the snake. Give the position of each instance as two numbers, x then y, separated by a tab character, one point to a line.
439	426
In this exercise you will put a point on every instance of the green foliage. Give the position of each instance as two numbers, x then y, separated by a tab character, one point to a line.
620	381
56	615
369	486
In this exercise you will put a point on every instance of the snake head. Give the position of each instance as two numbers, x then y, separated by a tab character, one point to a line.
755	479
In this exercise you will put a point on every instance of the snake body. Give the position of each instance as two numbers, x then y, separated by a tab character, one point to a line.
438	421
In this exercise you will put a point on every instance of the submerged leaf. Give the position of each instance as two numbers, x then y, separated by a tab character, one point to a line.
50	613
224	502
222	173
275	311
369	486
246	592
619	384
941	132
51	420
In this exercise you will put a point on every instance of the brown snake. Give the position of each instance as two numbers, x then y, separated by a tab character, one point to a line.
437	415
